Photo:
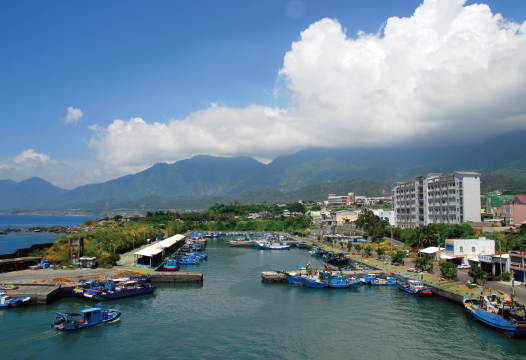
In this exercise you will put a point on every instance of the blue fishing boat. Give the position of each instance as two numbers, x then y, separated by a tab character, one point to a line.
188	260
111	289
339	259
415	287
506	316
328	279
387	281
200	256
7	302
86	284
171	265
86	318
341	281
301	245
317	252
369	278
313	282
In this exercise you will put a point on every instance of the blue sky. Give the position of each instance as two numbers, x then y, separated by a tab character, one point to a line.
169	61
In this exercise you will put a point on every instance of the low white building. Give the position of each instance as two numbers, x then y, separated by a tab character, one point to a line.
464	250
432	252
389	214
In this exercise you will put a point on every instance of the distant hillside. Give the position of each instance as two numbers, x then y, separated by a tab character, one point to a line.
27	194
304	175
492	182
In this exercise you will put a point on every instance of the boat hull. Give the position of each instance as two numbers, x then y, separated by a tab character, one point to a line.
293	279
105	295
496	322
422	293
311	283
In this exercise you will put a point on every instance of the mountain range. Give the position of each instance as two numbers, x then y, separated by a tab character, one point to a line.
310	174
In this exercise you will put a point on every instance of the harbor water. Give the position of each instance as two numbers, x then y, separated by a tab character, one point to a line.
233	315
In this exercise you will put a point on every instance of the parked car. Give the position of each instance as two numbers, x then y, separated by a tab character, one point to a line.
464	266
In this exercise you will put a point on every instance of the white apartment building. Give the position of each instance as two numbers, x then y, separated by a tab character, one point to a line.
389	214
437	199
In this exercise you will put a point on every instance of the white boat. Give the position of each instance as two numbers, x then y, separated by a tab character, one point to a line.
266	245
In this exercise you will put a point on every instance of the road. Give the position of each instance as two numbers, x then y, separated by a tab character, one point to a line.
520	289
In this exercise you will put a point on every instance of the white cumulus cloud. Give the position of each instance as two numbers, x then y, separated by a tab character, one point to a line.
60	173
73	116
446	74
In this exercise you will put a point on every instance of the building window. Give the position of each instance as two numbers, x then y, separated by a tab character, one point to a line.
473	249
462	249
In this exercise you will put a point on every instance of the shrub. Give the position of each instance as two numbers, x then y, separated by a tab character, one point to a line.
109	266
505	276
449	269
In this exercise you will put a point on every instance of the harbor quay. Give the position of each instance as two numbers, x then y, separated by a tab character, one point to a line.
449	290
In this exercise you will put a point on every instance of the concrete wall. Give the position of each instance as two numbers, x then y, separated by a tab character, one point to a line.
471	197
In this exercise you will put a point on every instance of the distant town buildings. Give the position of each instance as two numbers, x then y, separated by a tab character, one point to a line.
514	212
437	199
350	199
345	200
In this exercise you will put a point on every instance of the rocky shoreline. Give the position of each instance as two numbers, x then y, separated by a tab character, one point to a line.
44	229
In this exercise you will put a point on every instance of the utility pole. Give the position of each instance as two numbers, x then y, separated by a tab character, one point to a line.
500	250
392	239
439	257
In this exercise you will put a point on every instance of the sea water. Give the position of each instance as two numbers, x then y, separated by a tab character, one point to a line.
16	240
233	315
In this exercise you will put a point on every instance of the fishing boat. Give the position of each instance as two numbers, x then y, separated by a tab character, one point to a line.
86	284
317	252
388	281
341	281
368	278
339	259
7	302
301	245
171	265
197	255
187	259
312	282
267	245
415	287
328	279
86	318
114	290
506	316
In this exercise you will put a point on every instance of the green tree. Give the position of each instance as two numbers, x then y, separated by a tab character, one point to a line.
476	272
380	252
378	232
368	250
397	257
449	269
358	247
423	263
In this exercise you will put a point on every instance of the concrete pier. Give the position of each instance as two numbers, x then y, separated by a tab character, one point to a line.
176	277
41	293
